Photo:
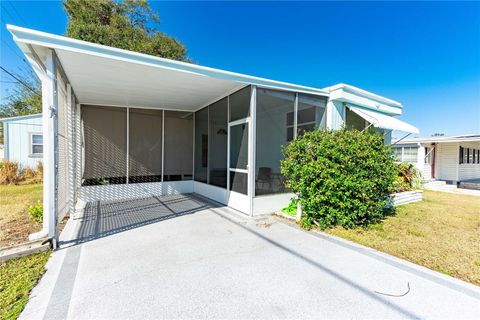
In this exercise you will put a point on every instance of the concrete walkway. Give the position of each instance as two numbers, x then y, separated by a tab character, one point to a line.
182	257
450	188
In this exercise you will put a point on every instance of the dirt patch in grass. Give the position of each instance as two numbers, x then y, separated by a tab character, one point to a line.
442	233
15	223
17	279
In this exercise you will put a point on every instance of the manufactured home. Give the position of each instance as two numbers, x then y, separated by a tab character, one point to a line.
454	159
23	140
119	125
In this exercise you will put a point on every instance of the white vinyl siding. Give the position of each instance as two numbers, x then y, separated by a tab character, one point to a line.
18	144
446	161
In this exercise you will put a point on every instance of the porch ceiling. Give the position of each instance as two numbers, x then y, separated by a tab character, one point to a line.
100	80
110	76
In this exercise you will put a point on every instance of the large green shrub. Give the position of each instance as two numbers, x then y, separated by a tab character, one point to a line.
341	177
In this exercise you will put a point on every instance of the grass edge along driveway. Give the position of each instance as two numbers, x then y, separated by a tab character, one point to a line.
441	233
17	278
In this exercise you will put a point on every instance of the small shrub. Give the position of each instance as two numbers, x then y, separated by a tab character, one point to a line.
36	212
341	177
9	173
291	209
408	177
39	173
28	174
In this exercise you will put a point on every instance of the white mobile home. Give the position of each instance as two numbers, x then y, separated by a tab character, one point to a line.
23	140
452	159
119	124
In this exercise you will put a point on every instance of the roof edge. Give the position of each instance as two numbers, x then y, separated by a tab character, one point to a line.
28	116
364	93
25	35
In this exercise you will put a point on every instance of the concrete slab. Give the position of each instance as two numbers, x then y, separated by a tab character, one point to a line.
183	257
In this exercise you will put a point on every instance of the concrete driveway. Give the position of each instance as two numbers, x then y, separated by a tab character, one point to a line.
183	257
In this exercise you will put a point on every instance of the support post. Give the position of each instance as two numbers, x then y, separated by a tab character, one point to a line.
49	116
71	150
251	146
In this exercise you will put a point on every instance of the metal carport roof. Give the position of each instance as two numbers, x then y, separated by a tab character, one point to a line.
105	75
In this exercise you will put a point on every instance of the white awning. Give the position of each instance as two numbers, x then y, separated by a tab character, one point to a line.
383	121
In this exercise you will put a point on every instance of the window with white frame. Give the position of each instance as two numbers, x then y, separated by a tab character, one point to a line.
36	144
410	154
397	153
405	154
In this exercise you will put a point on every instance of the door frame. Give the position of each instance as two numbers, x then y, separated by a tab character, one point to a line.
237	200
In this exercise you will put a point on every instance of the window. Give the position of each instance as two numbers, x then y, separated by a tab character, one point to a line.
397	153
354	121
36	144
468	155
405	154
410	154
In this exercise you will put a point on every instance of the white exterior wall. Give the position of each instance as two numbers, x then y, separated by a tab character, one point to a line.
446	161
17	140
427	167
335	115
420	164
468	171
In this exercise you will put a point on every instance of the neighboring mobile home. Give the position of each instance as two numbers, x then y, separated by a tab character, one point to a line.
120	124
452	159
23	140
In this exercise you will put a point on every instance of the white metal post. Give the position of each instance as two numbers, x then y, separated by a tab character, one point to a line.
251	146
78	147
49	110
163	144
70	148
295	116
127	172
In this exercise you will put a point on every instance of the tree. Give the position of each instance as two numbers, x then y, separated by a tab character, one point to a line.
24	98
126	25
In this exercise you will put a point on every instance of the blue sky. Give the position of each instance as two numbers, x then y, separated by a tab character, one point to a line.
424	55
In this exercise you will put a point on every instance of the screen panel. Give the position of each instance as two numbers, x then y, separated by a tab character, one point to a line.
218	143
240	104
105	143
178	159
145	145
201	145
274	129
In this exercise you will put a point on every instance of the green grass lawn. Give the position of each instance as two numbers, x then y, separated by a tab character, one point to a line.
442	233
15	224
17	279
